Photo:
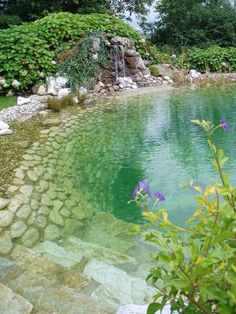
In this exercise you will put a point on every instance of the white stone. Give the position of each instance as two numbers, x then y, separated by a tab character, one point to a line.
6	132
42	90
63	92
12	303
166	78
194	74
3	125
22	101
124	288
83	91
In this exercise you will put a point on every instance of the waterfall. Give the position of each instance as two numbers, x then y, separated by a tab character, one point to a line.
119	61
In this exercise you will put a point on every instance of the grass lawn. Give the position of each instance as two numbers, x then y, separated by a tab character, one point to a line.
7	101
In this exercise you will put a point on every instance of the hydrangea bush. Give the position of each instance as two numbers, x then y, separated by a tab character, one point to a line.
195	266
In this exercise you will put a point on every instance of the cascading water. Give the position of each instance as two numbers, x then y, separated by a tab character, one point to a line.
119	61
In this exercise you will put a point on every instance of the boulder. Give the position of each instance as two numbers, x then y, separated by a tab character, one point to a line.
42	90
54	84
63	92
122	41
22	101
166	70
194	74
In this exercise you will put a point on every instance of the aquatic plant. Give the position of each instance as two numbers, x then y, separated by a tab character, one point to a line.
195	266
56	104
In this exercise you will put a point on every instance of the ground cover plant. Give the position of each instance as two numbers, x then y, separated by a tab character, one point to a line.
195	267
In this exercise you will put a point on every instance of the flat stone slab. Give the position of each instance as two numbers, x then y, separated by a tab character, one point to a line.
6	267
122	287
95	251
12	303
49	297
35	262
140	309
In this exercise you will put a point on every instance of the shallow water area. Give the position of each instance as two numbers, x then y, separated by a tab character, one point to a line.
71	190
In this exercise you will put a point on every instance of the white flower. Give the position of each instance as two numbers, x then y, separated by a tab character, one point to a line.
10	93
143	40
2	81
5	85
23	73
54	62
15	84
95	56
41	74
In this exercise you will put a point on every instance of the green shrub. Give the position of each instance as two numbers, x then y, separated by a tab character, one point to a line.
154	70
212	59
27	51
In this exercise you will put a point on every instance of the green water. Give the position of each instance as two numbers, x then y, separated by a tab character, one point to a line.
150	137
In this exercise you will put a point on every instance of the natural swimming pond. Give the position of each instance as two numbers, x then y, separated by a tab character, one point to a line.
71	190
150	137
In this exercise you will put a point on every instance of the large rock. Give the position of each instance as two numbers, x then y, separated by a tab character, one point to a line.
124	288
4	128
12	303
166	70
140	309
122	41
63	92
22	101
54	84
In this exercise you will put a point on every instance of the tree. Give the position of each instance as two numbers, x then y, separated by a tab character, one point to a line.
28	10
195	23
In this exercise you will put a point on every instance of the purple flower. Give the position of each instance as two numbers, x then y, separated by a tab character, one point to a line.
224	124
160	196
134	194
144	186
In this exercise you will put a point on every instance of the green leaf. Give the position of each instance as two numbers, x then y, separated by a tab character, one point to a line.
153	307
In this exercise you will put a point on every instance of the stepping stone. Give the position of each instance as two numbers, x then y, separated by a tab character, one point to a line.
116	282
50	297
13	303
35	262
92	250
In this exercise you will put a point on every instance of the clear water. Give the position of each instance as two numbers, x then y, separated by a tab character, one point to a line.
150	137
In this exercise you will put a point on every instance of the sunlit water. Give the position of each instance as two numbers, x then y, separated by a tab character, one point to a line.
150	137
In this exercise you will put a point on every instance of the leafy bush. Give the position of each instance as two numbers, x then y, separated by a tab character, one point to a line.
27	51
154	70
195	267
212	59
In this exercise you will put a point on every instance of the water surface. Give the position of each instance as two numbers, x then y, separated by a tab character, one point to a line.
150	137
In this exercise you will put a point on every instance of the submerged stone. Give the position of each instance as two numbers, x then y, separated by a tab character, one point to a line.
6	218
13	303
52	232
124	288
17	229
30	237
3	203
6	266
6	244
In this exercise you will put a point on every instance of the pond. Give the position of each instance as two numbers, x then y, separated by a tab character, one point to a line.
150	137
72	187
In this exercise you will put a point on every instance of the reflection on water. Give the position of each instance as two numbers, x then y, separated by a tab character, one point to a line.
150	137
